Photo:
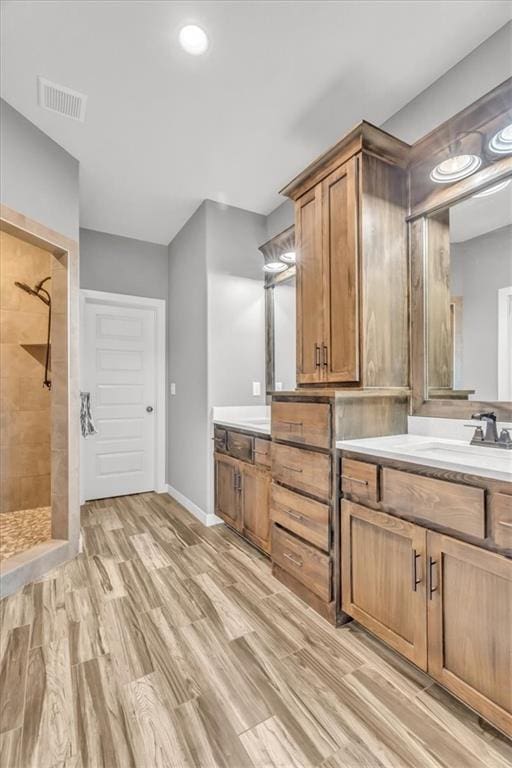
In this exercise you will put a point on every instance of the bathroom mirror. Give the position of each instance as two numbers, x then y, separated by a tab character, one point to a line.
280	311
469	297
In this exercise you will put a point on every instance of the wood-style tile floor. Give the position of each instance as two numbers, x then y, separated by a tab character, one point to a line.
170	645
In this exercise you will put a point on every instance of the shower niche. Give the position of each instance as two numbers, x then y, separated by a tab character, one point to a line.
38	511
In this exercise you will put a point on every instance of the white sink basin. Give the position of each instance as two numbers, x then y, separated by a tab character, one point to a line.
474	455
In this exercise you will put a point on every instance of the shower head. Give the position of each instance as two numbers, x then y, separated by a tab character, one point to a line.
36	291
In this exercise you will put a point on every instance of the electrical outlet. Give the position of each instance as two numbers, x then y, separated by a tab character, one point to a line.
279	386
256	388
173	388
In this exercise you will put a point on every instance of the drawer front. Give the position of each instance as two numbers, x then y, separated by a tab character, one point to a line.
454	506
220	439
304	470
502	520
360	479
308	519
304	423
240	446
304	562
262	452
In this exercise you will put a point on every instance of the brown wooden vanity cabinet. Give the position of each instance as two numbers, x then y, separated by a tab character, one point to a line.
350	229
242	484
442	602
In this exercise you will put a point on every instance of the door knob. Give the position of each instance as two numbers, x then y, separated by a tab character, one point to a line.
149	409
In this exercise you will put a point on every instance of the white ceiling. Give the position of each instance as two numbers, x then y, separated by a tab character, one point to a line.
281	82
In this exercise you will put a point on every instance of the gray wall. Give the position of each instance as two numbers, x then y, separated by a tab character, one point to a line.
280	219
122	265
236	306
480	267
479	72
37	177
187	438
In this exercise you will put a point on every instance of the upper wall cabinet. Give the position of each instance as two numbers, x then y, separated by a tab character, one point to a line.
352	277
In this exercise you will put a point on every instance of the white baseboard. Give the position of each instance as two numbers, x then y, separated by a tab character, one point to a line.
189	505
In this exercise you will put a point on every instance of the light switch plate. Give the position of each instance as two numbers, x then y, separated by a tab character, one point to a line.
256	388
279	386
173	388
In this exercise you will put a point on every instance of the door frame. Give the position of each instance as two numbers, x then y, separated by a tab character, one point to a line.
158	306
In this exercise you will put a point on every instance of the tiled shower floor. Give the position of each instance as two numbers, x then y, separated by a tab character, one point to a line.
23	529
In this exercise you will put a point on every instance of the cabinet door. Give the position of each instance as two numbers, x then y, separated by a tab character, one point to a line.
227	490
340	351
470	626
256	506
383	578
310	287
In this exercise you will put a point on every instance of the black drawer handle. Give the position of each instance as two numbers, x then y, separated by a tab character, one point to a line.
295	560
415	580
292	469
431	589
295	515
354	480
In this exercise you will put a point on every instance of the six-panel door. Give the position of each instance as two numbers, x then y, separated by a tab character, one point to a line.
470	625
227	490
383	578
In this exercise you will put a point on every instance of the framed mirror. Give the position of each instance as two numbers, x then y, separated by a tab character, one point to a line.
460	235
280	311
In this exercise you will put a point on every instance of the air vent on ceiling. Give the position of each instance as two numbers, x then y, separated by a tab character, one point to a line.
58	98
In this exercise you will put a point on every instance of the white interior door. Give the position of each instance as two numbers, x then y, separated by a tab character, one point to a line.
119	370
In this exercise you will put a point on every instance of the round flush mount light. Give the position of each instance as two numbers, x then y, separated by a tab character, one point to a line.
495	188
274	267
193	39
455	168
288	257
501	142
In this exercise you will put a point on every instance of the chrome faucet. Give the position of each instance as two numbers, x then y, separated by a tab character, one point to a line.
490	438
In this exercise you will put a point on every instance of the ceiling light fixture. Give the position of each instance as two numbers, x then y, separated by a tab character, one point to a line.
455	168
274	267
501	142
288	257
193	39
495	188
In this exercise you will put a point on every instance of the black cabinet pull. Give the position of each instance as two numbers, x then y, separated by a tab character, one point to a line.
431	589
415	580
325	355
317	355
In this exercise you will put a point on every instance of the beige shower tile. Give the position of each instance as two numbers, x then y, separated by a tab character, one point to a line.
59	426
60	517
26	428
9	493
34	491
59	337
23	327
25	393
25	461
16	360
59	458
59	287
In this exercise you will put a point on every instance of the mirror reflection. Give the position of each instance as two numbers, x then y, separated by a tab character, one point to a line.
469	297
284	334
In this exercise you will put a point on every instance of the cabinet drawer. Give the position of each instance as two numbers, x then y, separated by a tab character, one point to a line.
360	479
304	562
502	520
458	507
220	439
240	446
305	517
304	423
304	470
262	452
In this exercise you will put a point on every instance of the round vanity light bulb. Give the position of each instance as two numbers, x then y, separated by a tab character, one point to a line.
455	168
193	39
501	142
288	257
274	267
495	188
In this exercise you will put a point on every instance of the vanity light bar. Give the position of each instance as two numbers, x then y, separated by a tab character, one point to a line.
501	142
455	168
